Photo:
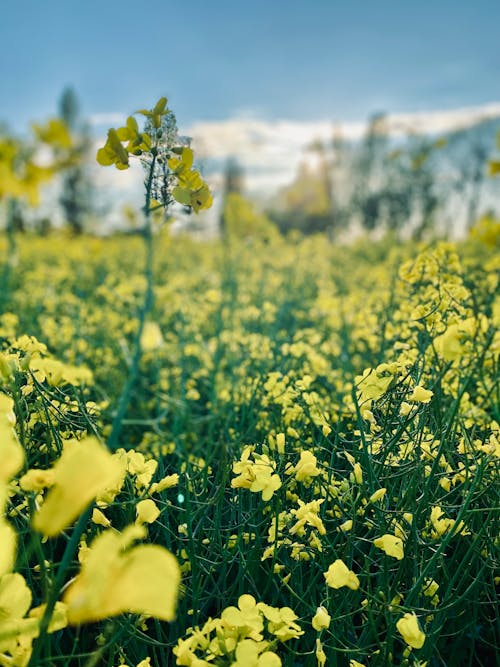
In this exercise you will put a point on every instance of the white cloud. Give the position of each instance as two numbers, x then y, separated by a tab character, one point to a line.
270	151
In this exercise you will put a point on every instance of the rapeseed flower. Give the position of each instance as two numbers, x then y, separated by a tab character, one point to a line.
248	654
410	630
391	545
320	654
339	575
246	616
147	511
420	395
321	619
84	469
116	577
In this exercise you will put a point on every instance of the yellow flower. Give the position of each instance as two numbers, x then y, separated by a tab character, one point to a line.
410	630
346	526
320	654
147	511
113	152
247	616
8	540
355	663
265	481
192	190
391	545
339	575
100	519
421	395
165	483
281	622
117	578
15	597
307	514
306	468
184	162
11	452
151	338
378	495
280	443
321	619
247	655
84	469
36	480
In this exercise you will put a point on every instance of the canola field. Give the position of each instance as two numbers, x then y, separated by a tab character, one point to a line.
297	466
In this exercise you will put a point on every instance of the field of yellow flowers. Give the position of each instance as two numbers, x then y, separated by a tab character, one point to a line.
306	472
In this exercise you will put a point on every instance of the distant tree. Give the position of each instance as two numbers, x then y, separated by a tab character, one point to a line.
368	172
233	184
75	197
243	221
307	203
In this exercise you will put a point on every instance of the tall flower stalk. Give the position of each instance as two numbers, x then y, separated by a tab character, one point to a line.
167	162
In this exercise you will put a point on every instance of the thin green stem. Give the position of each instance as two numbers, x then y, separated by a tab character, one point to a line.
125	396
58	583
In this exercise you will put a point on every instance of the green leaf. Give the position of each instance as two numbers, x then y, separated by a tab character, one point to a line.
494	168
182	195
104	158
160	106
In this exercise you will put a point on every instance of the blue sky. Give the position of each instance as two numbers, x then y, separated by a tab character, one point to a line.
216	59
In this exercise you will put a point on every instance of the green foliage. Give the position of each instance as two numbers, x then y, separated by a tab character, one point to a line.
243	221
316	425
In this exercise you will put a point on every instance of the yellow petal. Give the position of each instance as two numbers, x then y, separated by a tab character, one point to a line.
339	575
147	511
410	630
84	470
391	545
8	541
143	580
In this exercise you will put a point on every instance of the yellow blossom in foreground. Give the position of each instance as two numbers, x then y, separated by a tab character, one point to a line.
321	619
355	663
391	545
116	578
8	542
421	395
84	469
36	480
410	630
11	452
339	575
147	511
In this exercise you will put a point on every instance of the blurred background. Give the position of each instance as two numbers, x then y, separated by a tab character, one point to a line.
346	118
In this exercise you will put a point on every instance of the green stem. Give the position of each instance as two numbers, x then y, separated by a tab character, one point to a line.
125	396
58	583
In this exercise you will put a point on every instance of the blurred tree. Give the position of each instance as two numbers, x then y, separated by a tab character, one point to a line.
307	203
233	184
75	199
368	173
243	221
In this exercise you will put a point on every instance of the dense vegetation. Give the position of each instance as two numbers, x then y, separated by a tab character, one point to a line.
313	433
